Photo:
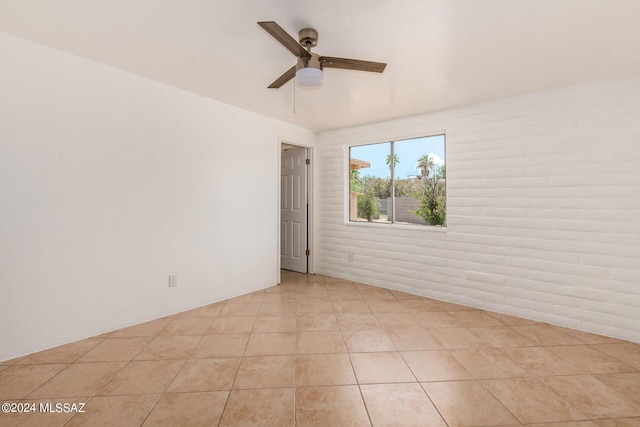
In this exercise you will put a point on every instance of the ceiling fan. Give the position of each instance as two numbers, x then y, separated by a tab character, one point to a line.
308	69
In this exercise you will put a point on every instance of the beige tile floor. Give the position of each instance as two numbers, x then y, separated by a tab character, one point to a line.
320	351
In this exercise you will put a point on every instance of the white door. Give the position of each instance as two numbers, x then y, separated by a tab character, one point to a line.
293	210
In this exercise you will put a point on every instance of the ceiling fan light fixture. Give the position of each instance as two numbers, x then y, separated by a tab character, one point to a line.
309	77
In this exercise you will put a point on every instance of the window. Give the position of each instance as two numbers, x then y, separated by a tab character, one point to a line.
411	189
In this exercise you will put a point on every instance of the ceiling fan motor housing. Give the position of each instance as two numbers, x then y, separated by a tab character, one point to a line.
308	37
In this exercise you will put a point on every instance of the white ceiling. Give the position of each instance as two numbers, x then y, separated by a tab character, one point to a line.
440	53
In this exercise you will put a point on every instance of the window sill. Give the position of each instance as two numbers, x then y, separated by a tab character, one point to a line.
430	228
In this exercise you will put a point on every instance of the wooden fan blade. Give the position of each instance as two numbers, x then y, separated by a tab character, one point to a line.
284	38
288	75
352	64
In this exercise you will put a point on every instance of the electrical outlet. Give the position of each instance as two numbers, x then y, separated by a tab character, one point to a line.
350	256
173	280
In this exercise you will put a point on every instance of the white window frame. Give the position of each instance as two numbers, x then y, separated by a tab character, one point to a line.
391	225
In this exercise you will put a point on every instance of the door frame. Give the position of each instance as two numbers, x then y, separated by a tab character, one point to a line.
310	205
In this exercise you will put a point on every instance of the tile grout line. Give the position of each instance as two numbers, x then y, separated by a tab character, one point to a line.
242	357
158	334
96	395
59	372
355	376
155	405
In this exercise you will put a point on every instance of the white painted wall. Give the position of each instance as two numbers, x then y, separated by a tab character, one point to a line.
543	209
110	182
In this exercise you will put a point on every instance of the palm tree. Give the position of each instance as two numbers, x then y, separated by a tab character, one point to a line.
396	160
425	165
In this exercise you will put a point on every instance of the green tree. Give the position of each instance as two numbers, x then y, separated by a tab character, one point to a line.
368	205
356	185
425	165
432	206
381	187
409	187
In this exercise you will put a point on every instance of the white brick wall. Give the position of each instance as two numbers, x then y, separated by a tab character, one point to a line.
543	209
